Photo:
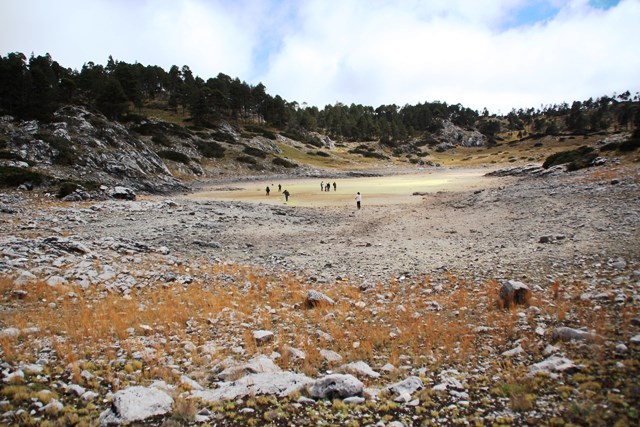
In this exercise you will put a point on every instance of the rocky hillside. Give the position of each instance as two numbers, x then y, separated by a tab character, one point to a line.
84	148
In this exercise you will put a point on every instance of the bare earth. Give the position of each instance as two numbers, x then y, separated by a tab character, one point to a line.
476	226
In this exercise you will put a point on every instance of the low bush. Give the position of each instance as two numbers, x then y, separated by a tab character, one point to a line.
247	159
320	153
210	149
224	137
255	152
174	156
632	143
574	159
284	162
162	139
8	155
66	188
261	131
13	177
301	136
368	153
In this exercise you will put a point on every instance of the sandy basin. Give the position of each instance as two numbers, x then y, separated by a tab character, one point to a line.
376	191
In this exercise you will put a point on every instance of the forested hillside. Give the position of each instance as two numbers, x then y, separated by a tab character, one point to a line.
35	87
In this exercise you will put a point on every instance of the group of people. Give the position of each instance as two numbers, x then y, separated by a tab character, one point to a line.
285	192
327	186
323	187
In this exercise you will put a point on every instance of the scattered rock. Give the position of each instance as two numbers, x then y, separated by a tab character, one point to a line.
335	386
136	404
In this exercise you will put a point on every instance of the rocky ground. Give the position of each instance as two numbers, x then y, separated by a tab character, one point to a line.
410	323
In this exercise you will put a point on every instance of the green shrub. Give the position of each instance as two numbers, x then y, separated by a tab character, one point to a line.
224	137
579	158
67	188
368	153
162	139
174	156
321	154
261	131
210	149
8	155
255	152
284	162
247	159
632	143
301	136
13	177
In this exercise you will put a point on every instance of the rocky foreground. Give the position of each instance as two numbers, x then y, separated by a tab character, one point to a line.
513	305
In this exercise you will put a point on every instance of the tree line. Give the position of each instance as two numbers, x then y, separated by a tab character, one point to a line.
35	87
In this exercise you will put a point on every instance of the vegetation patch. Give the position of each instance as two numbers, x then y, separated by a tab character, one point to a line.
368	152
8	155
210	149
574	159
320	153
174	156
298	135
284	162
255	152
224	137
261	131
66	155
247	159
13	177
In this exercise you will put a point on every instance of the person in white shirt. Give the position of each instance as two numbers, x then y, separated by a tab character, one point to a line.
358	199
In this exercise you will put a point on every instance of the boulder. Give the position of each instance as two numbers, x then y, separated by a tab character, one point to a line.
123	193
262	337
136	404
514	292
315	298
408	386
360	368
335	386
565	333
257	365
281	384
553	364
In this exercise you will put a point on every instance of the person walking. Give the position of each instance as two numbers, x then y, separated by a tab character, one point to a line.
268	190
334	186
358	199
279	188
321	185
286	195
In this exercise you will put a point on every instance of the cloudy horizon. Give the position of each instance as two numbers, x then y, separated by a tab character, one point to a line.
498	54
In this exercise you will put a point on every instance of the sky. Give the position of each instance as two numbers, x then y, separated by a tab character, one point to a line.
498	54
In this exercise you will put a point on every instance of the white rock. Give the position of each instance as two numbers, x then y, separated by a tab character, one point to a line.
409	386
552	364
360	368
191	383
277	383
262	337
136	404
335	386
330	356
514	351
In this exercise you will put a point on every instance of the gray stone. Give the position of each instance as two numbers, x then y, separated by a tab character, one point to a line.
259	364
409	385
335	386
360	368
514	292
136	404
553	364
569	334
280	384
314	298
330	356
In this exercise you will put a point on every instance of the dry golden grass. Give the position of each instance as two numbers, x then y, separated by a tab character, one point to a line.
227	302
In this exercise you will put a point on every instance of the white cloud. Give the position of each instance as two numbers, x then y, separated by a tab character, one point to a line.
388	53
372	52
